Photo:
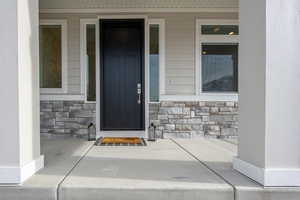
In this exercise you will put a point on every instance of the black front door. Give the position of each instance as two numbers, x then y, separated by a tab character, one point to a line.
122	74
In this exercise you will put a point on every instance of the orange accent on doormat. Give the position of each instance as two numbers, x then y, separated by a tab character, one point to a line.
119	141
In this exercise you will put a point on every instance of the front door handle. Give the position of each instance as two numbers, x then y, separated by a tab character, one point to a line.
139	93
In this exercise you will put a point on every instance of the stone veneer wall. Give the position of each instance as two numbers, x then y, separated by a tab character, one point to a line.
195	119
66	117
173	119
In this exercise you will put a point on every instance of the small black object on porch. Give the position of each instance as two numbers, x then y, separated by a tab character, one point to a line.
152	133
91	132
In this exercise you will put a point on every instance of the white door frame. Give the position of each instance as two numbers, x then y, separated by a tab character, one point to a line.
143	133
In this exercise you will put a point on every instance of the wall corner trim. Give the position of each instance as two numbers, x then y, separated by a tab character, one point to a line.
270	177
19	174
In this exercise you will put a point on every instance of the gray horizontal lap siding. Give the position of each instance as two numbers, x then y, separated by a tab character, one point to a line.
74	74
179	55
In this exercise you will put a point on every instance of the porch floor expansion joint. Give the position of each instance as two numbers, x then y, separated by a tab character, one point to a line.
210	169
70	171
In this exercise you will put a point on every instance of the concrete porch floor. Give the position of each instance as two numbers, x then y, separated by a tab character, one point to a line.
198	169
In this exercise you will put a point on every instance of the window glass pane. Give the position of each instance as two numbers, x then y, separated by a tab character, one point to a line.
154	62
91	61
50	56
220	29
219	68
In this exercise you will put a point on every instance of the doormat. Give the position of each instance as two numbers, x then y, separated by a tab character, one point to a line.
119	141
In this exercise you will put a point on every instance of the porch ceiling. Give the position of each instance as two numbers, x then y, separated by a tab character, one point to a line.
122	4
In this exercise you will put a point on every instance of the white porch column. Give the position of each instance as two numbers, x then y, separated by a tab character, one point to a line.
19	90
269	81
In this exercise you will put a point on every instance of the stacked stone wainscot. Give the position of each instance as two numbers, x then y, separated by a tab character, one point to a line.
195	119
173	119
66	117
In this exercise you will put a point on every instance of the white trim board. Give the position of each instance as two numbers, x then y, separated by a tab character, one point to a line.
97	80
64	57
203	97
62	97
273	177
136	10
17	175
208	97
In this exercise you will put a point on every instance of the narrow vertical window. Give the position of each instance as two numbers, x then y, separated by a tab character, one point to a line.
52	57
91	61
88	58
154	62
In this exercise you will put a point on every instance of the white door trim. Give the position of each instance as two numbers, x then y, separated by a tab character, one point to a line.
143	133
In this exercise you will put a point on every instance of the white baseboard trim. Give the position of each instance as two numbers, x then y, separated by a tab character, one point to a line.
272	177
249	170
17	175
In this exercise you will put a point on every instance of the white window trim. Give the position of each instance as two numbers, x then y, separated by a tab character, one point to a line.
180	98
198	49
61	97
83	56
162	81
64	57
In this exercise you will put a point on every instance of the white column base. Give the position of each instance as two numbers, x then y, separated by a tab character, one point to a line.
276	177
17	175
